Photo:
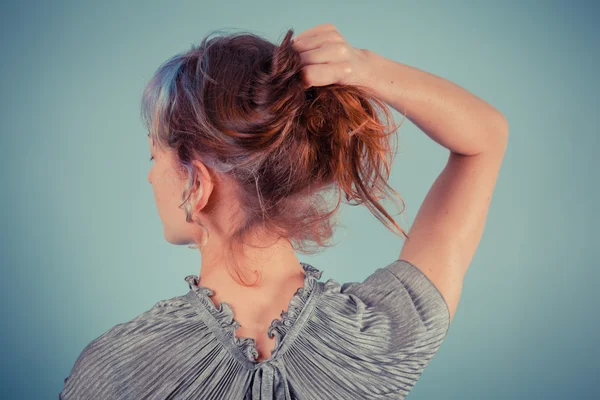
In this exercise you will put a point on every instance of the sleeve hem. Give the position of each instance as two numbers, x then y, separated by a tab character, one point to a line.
436	290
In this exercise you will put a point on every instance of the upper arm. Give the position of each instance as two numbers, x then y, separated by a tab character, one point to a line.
449	224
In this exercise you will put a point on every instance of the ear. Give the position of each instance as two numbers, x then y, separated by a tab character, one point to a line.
204	185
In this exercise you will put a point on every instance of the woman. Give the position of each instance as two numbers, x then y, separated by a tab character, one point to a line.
247	138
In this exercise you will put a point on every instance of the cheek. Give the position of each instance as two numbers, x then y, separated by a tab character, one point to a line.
158	185
167	193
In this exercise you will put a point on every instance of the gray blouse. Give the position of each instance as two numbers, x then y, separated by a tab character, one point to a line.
357	340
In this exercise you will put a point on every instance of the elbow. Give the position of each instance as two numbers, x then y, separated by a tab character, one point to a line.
498	135
501	123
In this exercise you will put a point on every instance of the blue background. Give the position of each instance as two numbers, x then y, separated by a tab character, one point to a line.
82	246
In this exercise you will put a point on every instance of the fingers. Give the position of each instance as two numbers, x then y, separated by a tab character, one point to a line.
315	31
325	55
328	53
314	42
318	75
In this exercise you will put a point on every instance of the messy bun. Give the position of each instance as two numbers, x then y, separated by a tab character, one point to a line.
237	102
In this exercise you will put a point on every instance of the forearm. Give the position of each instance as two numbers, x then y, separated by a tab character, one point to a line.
450	115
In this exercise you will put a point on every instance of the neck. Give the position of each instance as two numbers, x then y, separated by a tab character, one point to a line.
275	269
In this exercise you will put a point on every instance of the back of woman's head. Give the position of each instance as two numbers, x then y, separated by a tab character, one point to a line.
238	104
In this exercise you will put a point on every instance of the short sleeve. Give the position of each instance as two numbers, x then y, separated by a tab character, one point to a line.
107	368
380	334
95	372
414	307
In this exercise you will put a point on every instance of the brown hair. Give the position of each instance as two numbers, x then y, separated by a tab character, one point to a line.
237	103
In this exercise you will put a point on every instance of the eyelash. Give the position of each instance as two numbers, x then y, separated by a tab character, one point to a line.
151	158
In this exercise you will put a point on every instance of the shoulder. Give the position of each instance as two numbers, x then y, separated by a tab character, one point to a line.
387	327
400	295
110	359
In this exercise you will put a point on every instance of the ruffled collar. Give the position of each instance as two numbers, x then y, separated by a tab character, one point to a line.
223	313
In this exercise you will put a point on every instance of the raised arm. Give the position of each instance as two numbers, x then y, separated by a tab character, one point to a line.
449	224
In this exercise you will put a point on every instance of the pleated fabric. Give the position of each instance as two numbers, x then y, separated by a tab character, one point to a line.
357	340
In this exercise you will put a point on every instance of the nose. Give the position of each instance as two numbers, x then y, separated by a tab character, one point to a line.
149	177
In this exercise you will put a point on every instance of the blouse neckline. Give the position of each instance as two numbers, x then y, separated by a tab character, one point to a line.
221	321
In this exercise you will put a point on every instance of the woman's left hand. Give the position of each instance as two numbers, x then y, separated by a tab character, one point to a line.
327	58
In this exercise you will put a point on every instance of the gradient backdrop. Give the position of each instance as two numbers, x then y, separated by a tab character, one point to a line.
82	246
